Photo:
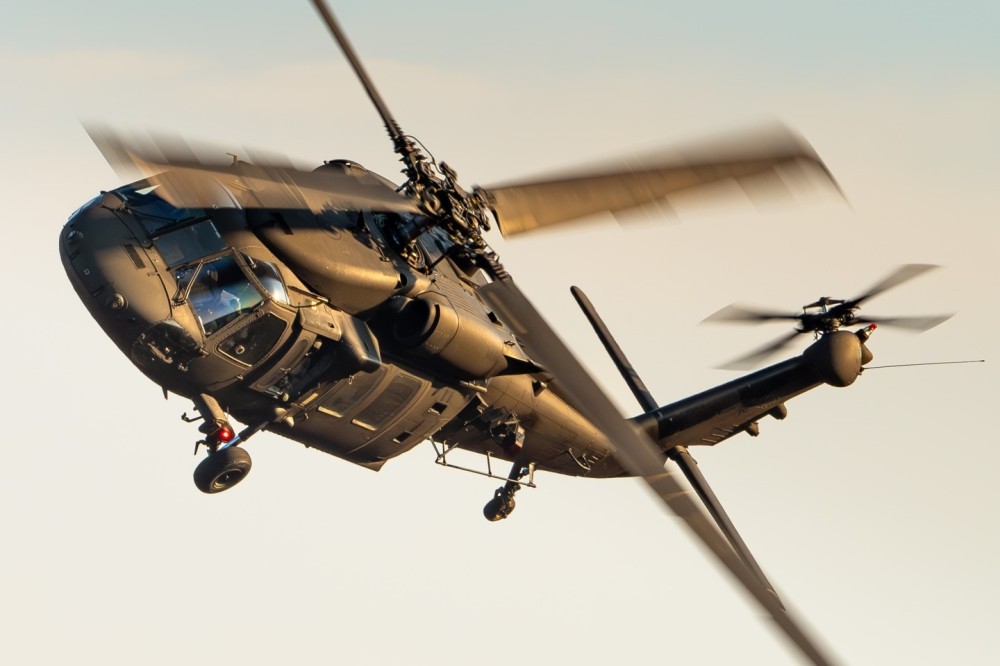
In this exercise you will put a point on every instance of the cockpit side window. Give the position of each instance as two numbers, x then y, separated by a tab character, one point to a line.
220	292
222	289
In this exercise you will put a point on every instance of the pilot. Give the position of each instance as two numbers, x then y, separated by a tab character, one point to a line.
214	305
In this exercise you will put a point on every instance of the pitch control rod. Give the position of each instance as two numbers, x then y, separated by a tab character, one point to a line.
678	454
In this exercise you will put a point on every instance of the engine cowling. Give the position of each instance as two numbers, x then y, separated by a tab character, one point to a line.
470	346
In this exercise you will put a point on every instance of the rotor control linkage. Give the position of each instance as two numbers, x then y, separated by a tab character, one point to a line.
502	504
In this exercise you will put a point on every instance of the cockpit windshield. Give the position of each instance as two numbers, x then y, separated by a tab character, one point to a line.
153	212
181	234
190	242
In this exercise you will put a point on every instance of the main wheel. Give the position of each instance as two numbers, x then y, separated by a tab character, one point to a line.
222	470
498	509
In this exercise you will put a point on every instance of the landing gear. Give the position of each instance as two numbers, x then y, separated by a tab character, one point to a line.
222	470
502	504
227	464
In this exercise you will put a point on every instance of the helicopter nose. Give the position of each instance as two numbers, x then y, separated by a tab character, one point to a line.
112	273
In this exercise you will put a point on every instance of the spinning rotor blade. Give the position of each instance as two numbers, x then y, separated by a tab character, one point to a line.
637	453
678	454
755	163
338	35
902	274
187	182
832	314
917	324
758	356
744	314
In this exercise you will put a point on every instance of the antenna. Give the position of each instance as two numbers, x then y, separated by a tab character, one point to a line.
913	365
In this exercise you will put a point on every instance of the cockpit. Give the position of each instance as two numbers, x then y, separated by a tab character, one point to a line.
175	288
221	289
220	284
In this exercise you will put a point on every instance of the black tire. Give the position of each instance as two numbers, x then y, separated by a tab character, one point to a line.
497	509
222	470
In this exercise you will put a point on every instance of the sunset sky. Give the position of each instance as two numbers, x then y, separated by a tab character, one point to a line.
873	509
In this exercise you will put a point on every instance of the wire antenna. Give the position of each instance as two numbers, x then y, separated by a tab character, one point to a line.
912	365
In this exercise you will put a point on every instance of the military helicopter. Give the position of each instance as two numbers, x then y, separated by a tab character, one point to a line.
361	317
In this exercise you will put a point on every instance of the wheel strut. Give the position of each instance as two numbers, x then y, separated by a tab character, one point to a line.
226	464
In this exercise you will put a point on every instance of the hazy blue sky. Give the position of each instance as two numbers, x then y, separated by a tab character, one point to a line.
873	508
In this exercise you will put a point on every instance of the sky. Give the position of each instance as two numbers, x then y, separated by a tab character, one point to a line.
871	508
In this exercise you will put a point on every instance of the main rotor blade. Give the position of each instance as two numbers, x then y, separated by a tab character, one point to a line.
338	35
758	356
637	453
186	181
902	274
754	162
745	314
625	367
679	454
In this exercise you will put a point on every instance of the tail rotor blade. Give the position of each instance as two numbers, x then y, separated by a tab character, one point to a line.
916	324
736	313
758	356
902	274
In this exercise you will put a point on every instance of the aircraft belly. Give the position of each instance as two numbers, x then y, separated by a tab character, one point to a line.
556	437
371	417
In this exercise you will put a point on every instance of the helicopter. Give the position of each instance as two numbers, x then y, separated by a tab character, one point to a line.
361	318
